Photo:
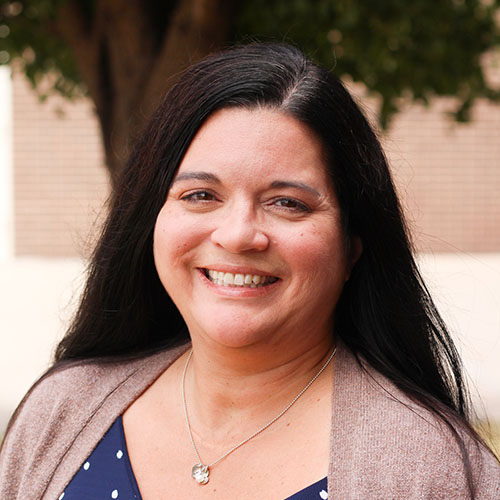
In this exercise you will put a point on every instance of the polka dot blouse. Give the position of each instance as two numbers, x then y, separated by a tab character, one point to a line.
107	474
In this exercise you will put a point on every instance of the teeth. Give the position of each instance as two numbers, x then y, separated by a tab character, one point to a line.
243	280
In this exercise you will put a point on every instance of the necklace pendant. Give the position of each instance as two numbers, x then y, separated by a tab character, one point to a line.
200	473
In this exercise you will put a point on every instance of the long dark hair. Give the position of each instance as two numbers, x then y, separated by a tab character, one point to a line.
385	314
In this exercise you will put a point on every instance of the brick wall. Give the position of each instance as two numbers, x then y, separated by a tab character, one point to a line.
59	180
448	175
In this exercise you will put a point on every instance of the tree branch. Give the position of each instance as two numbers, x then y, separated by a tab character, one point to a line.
197	28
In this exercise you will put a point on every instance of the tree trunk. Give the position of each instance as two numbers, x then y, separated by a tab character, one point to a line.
129	52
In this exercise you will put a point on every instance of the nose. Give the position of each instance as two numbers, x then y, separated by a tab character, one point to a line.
238	231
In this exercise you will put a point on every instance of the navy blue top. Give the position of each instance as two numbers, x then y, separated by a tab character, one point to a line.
107	473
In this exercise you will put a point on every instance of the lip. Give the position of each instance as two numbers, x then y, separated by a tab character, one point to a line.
235	291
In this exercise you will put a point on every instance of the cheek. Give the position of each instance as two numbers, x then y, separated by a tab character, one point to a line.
168	243
175	238
320	257
170	248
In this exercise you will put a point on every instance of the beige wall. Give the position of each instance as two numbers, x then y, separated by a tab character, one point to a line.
60	182
37	298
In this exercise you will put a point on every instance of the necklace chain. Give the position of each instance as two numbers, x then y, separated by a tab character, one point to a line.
200	472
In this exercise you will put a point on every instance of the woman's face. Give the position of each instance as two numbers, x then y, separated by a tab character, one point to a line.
249	243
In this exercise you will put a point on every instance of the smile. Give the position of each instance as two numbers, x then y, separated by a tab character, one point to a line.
238	280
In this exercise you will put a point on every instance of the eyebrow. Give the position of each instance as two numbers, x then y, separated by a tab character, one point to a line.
209	177
292	184
199	176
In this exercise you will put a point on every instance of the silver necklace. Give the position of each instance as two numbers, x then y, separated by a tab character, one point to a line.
201	472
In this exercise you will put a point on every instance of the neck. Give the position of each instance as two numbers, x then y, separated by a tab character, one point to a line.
232	391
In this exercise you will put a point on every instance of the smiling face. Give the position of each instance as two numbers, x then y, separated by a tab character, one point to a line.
249	243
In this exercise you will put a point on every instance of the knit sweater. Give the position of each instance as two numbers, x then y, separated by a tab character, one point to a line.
383	445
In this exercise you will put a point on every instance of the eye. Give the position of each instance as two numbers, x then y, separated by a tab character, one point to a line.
291	204
198	196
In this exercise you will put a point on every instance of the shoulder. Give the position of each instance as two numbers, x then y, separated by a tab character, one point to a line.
75	387
81	385
402	447
66	413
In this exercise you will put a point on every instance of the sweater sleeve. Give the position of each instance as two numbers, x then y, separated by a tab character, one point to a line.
386	446
49	421
488	479
445	469
63	418
32	438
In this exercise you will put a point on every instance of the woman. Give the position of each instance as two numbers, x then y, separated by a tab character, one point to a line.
258	220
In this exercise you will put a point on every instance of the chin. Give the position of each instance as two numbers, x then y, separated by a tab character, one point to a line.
238	335
236	339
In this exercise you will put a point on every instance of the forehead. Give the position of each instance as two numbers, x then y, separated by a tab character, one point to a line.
259	142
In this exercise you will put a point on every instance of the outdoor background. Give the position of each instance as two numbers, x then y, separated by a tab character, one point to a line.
53	186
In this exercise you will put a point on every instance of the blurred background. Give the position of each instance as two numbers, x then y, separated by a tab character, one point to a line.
79	78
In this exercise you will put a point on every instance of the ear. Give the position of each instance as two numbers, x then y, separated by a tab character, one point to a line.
355	251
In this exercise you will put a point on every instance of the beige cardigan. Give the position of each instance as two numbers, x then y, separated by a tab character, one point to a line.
383	446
